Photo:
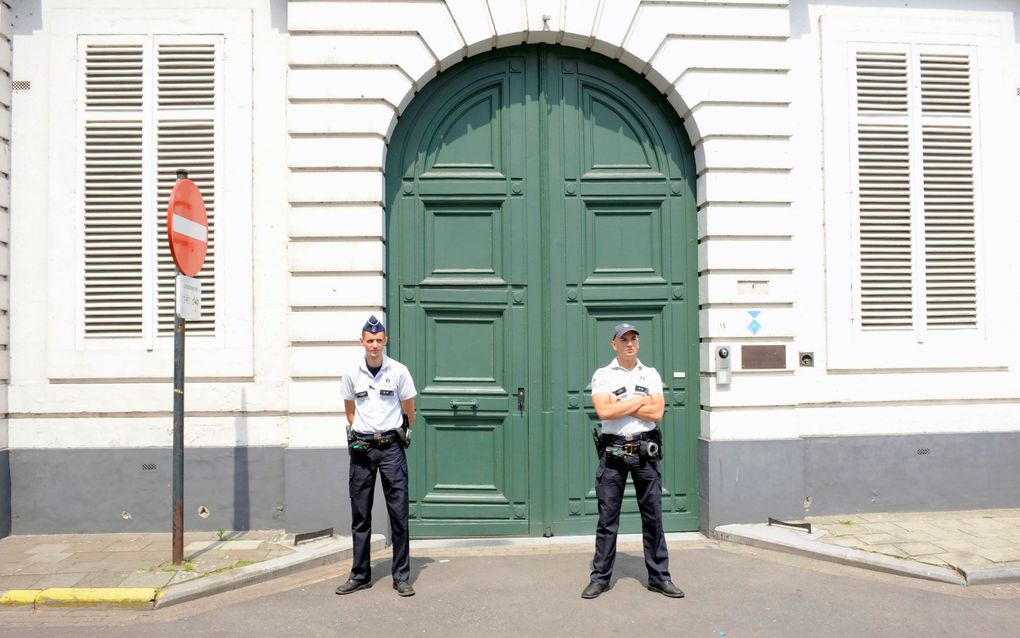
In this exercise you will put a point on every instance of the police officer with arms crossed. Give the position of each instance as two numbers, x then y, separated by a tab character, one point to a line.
376	391
627	396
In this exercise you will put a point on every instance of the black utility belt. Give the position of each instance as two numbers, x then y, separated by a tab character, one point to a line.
359	442
646	444
381	440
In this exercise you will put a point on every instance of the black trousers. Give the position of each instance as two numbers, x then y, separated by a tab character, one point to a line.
611	479
391	464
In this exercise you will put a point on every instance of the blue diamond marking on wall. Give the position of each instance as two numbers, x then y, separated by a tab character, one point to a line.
754	313
754	327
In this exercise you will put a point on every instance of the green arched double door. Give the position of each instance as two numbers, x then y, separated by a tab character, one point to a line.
536	196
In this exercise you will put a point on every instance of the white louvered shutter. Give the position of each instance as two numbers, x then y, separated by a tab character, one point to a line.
950	240
883	172
917	250
112	190
149	107
186	133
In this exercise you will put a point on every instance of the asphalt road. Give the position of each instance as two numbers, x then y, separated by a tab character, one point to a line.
732	591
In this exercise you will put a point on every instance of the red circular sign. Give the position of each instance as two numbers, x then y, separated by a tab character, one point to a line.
187	227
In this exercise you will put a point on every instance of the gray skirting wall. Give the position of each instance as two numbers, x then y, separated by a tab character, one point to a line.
5	492
301	490
129	490
748	481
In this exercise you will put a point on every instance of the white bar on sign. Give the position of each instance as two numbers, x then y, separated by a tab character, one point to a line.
188	228
679	375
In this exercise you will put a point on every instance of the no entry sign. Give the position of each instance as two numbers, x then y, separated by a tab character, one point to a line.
187	227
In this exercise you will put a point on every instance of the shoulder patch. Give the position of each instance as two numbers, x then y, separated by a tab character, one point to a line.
620	391
361	395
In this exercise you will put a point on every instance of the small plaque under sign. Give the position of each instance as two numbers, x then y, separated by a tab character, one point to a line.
189	298
763	357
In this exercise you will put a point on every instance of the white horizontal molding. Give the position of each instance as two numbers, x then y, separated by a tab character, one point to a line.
335	221
323	361
431	21
360	83
361	290
908	387
310	257
654	22
679	54
936	418
146	432
743	153
317	431
316	397
407	51
745	254
746	288
319	326
216	395
345	186
740	220
744	186
743	119
733	323
751	389
336	152
745	87
749	424
376	118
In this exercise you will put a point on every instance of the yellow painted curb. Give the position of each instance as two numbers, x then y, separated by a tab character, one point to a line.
19	596
96	596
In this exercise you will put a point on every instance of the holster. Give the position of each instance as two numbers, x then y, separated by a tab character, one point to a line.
600	445
652	448
404	433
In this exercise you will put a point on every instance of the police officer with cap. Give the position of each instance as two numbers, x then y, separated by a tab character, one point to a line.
378	395
627	396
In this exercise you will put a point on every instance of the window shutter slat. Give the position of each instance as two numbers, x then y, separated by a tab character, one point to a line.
186	80
950	238
113	77
113	229
883	158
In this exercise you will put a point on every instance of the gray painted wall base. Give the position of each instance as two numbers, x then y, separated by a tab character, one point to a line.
5	493
129	490
748	481
300	490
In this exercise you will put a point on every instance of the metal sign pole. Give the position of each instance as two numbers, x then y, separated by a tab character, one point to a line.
178	473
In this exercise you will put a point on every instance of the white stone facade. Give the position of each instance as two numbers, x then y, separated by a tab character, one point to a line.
757	84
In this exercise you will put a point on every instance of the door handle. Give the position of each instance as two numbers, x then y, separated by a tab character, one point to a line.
520	400
455	403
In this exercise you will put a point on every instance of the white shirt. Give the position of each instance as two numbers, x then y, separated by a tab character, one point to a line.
377	398
626	384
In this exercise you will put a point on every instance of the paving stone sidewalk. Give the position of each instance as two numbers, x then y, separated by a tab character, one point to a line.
966	541
963	547
129	560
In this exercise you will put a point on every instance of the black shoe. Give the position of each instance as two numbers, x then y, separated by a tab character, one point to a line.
352	586
666	588
403	588
594	590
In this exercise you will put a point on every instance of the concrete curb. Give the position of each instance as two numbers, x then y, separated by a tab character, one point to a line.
797	542
81	597
990	575
313	554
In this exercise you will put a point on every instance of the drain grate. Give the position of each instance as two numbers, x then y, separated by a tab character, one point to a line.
923	451
148	467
